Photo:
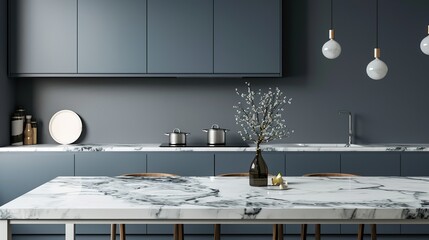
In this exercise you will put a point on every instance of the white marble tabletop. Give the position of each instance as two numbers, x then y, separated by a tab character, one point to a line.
155	147
340	199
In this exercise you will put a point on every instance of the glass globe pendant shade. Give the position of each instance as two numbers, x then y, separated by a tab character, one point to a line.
424	44
376	69
331	49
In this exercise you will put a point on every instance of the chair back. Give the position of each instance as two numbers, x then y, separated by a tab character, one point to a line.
245	174
150	175
330	175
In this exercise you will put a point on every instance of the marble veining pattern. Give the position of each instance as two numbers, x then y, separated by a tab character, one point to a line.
217	198
335	147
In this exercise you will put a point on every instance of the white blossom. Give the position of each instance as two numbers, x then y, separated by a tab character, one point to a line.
260	115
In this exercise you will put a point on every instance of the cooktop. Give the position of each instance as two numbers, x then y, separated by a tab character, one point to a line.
207	145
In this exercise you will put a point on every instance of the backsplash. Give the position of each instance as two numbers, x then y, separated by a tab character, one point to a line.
141	110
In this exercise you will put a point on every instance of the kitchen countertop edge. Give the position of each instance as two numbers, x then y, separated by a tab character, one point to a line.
155	147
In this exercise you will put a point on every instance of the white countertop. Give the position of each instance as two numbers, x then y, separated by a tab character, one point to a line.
306	147
344	199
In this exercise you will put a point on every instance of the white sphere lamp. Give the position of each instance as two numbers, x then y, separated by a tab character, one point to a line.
377	69
424	44
331	49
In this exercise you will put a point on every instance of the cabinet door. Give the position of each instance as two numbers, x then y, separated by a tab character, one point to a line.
109	164
22	172
414	164
180	36
237	162
300	163
43	36
371	164
247	36
112	36
183	164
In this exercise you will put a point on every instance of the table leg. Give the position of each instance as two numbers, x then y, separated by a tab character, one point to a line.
275	232
5	230
280	231
216	232
70	231
361	229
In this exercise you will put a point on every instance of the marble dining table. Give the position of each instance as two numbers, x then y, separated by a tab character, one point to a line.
210	200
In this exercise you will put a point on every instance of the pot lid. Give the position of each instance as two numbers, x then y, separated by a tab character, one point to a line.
216	127
177	131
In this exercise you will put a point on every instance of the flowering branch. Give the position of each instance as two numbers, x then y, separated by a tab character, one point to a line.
262	122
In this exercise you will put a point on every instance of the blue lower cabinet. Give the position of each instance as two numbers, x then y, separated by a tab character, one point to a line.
22	172
40	237
371	164
109	164
238	162
210	237
300	163
414	164
183	164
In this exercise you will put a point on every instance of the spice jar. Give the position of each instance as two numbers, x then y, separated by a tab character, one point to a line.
16	130
17	127
34	128
28	131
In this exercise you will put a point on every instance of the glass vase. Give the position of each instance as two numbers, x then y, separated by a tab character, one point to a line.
258	172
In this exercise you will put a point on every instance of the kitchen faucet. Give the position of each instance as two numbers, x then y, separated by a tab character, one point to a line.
350	126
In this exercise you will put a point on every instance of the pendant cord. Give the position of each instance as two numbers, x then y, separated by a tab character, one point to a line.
332	14
376	24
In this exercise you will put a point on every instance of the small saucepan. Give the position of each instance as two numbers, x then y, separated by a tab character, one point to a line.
177	137
216	135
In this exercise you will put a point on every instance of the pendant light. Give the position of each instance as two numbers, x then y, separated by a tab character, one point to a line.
376	69
331	49
424	45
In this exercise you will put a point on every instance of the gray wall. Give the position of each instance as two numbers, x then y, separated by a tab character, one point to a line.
6	89
140	110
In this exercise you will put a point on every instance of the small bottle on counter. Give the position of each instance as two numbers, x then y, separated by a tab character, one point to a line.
28	132
16	130
21	113
17	127
34	128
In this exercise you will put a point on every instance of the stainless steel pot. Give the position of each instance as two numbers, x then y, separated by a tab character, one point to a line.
216	135
177	137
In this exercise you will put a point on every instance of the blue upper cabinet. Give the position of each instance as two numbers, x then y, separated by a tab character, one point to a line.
247	37
180	36
112	36
145	38
42	37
